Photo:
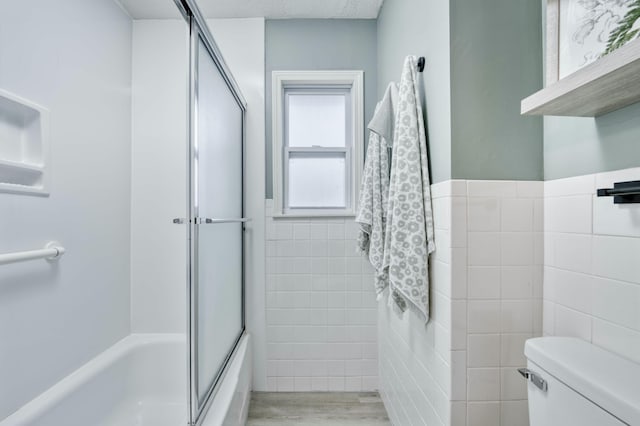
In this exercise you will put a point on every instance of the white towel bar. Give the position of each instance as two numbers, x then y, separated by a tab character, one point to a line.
52	251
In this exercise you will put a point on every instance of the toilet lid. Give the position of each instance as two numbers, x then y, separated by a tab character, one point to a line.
610	381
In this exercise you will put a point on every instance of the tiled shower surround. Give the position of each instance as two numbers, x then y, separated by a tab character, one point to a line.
321	307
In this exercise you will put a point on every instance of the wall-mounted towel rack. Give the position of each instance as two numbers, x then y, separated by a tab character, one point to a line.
52	251
421	63
622	192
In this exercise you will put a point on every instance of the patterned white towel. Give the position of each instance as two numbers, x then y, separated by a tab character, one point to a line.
409	235
374	190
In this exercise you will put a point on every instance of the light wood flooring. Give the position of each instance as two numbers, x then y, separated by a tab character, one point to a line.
317	408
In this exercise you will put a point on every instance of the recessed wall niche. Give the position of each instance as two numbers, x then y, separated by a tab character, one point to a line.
24	150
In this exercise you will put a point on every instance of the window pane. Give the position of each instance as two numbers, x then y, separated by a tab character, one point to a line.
317	180
318	120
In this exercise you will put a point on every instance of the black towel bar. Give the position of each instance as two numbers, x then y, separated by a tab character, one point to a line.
622	192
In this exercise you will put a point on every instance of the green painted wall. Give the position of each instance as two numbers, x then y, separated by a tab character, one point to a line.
496	60
421	28
575	146
482	59
319	44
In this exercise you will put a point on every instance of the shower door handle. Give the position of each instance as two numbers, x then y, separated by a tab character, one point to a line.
211	221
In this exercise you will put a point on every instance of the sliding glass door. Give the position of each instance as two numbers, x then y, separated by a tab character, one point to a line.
216	219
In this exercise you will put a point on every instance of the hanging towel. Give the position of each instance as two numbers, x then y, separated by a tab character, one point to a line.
374	190
409	234
384	119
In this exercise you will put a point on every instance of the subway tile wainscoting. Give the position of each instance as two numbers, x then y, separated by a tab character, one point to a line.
321	307
591	268
415	359
486	297
501	259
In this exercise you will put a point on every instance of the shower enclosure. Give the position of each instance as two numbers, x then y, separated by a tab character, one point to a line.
216	215
142	320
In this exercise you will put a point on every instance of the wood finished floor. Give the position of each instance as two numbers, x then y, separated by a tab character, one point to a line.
317	408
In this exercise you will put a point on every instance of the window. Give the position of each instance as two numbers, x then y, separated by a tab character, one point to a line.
317	141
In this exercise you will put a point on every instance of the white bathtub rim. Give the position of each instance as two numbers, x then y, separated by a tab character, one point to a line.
63	388
217	412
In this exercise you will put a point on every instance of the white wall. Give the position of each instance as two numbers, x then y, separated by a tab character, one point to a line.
486	288
591	268
83	75
415	359
159	157
321	307
498	232
159	176
74	58
159	179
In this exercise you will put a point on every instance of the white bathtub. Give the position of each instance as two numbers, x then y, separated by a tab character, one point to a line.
139	381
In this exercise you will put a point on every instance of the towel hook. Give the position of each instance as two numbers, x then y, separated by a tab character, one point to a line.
421	63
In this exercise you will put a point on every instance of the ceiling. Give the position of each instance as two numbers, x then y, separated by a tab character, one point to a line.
275	9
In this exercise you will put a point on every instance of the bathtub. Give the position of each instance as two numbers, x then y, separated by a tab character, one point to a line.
139	381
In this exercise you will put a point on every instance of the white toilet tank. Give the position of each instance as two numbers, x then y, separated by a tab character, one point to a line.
572	382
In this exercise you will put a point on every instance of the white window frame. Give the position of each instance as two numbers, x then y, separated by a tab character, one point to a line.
354	154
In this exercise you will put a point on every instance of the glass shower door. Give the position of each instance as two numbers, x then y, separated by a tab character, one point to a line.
217	224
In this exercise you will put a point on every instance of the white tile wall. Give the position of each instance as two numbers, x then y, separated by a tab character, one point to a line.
416	373
503	292
486	278
321	307
591	268
486	281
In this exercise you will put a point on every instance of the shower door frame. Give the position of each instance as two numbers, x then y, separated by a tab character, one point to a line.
199	32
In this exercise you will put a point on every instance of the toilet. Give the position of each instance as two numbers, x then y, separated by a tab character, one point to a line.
572	382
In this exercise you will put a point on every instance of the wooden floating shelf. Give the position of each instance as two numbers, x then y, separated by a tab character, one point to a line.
610	83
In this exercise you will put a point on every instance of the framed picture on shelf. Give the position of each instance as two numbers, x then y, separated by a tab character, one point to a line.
579	32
